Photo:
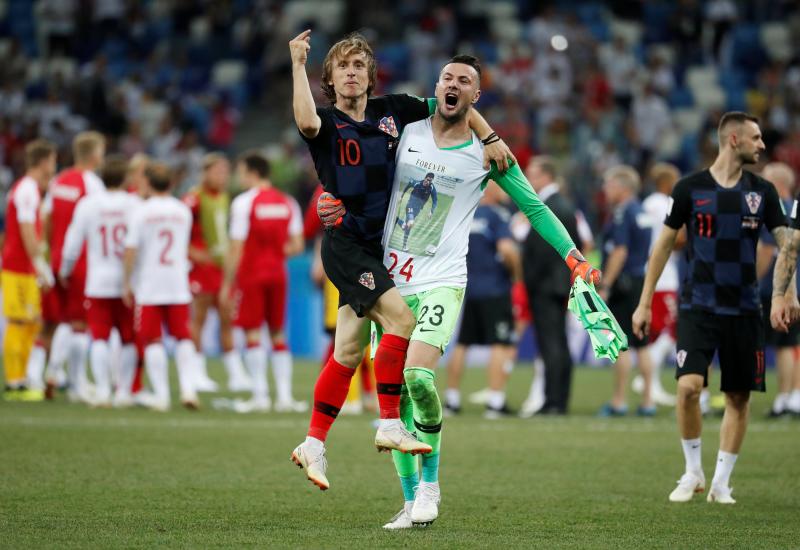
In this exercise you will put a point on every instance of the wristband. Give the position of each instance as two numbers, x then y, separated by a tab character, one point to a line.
491	138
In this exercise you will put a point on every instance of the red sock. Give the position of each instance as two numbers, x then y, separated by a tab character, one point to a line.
330	391
367	380
389	362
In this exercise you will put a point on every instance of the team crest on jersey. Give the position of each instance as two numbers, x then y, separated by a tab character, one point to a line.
753	201
367	280
388	126
681	357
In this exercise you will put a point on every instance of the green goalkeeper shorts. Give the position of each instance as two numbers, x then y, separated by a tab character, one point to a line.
436	312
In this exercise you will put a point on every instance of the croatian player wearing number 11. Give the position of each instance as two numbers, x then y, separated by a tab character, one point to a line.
430	269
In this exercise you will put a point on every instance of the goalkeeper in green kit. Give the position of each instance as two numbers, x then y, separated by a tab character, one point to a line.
431	274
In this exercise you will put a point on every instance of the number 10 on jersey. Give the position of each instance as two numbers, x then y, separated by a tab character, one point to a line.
407	270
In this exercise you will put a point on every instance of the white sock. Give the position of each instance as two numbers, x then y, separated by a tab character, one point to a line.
282	371
793	404
779	405
508	366
692	452
100	361
35	368
59	350
233	364
384	423
256	361
314	442
452	397
537	386
496	399
187	360
127	369
722	473
201	369
78	350
155	361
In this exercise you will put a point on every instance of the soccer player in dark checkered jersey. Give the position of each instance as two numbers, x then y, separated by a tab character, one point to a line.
352	143
723	209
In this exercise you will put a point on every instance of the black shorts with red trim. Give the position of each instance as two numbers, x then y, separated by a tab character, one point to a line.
738	340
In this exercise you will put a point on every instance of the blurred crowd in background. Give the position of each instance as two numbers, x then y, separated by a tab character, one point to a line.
591	84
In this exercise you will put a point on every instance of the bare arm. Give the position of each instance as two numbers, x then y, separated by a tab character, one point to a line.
294	246
305	111
511	258
232	260
128	264
764	255
655	266
785	309
495	150
198	255
614	265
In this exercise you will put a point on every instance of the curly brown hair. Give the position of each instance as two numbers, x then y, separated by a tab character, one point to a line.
350	44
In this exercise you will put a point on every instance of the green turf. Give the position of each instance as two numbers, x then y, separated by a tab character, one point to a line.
79	478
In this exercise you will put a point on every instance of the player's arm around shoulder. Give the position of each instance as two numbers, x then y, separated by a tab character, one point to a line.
305	111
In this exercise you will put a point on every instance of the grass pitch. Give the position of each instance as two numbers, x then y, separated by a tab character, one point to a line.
80	478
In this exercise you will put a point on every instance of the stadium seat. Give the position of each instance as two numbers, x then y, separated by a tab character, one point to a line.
64	66
777	40
501	10
701	76
228	73
688	120
630	31
711	97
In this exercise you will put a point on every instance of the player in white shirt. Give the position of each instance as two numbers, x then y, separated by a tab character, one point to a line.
663	331
157	249
100	221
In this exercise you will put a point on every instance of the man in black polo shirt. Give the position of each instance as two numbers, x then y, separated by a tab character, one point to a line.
352	143
723	209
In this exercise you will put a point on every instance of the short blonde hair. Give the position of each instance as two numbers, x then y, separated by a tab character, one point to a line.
625	175
86	144
347	46
664	172
210	159
138	161
37	151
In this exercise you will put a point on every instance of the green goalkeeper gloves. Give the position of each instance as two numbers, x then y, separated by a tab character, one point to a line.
608	339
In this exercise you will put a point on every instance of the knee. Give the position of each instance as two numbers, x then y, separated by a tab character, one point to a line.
403	323
690	387
422	389
737	401
349	355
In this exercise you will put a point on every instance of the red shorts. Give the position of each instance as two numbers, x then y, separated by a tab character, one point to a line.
665	314
64	305
107	313
519	303
149	319
205	279
259	302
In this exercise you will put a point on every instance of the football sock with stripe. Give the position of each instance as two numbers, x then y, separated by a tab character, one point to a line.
427	417
407	466
389	360
330	392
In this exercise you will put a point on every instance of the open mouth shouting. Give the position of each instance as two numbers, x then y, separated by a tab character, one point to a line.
450	101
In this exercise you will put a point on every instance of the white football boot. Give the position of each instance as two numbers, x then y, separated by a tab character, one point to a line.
721	495
688	485
426	504
312	458
402	519
291	406
251	405
396	437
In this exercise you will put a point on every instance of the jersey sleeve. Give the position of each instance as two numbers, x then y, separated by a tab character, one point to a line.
240	218
542	219
26	201
680	206
133	234
93	183
76	234
326	129
774	215
410	108
296	221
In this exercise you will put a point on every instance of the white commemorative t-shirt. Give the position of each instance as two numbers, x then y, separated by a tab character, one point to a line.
434	197
159	229
100	220
657	207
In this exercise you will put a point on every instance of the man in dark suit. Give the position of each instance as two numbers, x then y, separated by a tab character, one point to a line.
547	283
